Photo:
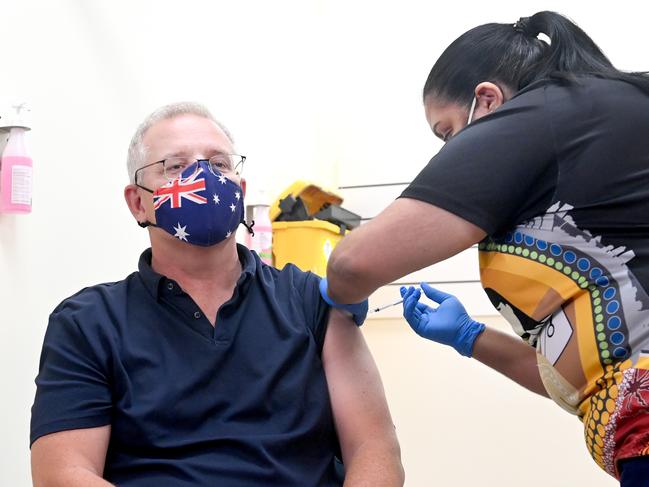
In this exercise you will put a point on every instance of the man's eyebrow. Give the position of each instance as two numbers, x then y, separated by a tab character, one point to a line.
184	153
180	153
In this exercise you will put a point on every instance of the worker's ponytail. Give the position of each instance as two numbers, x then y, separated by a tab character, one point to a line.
517	54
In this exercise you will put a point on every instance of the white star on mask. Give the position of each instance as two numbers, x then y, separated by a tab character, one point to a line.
237	195
222	179
216	199
181	233
232	207
227	235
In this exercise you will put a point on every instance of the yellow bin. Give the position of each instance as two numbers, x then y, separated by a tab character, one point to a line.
307	243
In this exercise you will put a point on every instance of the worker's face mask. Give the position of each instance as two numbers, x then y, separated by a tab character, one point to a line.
199	207
472	110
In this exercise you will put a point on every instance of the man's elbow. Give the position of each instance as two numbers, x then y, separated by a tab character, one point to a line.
397	472
66	476
52	477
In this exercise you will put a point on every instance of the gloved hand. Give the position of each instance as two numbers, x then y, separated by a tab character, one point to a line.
357	310
449	323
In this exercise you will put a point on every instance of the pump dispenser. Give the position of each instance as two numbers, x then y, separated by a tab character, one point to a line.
16	167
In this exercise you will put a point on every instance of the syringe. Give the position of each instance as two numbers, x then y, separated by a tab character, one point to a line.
381	308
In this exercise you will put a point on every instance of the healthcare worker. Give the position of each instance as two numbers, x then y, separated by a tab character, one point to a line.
546	167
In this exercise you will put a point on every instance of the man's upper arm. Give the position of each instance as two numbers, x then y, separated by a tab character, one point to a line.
61	456
72	387
358	400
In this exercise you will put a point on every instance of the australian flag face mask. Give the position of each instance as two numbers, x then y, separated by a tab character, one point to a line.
198	207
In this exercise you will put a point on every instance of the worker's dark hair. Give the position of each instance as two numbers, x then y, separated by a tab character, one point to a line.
512	55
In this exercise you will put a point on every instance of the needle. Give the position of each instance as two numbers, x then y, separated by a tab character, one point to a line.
380	308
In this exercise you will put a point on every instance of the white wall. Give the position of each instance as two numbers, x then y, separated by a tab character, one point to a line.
461	424
327	90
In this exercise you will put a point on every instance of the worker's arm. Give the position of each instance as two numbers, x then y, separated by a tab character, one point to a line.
73	458
407	236
367	436
510	356
450	324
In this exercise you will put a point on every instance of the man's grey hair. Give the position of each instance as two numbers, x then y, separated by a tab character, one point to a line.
137	151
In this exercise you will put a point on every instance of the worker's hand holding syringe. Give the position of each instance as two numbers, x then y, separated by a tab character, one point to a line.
449	323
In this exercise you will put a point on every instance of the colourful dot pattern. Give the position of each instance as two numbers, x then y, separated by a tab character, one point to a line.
611	332
599	413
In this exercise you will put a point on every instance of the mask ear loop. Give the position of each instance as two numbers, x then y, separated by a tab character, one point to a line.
473	104
249	226
145	223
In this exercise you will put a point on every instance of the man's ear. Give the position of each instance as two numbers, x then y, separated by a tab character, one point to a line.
243	186
489	97
135	203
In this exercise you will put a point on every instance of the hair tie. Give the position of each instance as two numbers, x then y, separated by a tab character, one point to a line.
523	26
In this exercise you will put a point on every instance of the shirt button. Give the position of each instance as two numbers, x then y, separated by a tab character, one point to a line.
170	286
197	315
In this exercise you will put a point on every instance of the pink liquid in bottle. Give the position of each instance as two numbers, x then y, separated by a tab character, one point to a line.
16	175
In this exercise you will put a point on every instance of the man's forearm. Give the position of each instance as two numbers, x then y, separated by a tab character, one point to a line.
511	357
70	477
375	465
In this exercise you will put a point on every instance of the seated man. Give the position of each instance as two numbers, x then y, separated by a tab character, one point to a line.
205	367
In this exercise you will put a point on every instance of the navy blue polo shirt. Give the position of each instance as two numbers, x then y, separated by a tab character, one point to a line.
244	403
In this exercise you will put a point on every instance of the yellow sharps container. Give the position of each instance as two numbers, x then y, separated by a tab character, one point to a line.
307	223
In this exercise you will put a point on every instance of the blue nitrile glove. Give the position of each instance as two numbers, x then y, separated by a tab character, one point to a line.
449	323
357	310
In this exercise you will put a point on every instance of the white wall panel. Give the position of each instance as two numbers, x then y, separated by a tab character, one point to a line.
368	200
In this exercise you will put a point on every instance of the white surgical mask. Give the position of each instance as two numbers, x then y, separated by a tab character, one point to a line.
473	103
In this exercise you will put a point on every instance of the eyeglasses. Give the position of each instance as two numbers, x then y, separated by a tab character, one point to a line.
172	167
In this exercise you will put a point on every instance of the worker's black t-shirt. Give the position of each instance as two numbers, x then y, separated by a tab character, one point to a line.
558	177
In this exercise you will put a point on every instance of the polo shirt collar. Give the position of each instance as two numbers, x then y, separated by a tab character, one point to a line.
153	281
150	278
248	262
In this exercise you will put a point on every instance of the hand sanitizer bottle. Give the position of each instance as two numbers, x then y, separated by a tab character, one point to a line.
16	169
262	241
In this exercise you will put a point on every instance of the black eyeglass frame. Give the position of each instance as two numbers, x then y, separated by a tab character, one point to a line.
196	161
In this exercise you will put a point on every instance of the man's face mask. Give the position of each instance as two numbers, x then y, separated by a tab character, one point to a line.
199	207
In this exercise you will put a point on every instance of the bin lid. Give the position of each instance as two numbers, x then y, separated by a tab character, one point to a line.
313	196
